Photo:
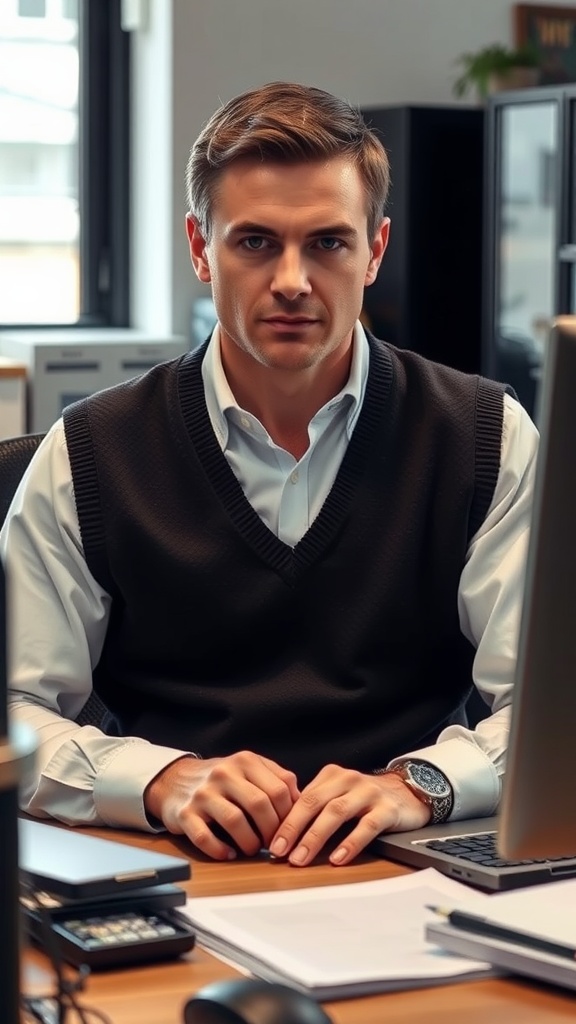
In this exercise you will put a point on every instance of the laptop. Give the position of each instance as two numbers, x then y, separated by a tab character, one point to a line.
534	838
80	867
467	850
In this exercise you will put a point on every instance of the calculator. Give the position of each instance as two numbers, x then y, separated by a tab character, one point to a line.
108	935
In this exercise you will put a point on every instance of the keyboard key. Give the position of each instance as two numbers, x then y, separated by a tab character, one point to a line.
481	849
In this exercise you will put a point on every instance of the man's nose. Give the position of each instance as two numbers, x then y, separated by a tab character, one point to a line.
290	275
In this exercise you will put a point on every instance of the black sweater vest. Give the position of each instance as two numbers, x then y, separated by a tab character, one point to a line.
344	649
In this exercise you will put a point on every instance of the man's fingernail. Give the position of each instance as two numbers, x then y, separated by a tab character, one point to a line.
299	855
279	847
338	856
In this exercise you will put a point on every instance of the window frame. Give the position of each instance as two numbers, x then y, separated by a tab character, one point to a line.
103	171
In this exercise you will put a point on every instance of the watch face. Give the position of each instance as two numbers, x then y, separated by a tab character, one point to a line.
431	780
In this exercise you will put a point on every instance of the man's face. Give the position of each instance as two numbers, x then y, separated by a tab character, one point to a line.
288	260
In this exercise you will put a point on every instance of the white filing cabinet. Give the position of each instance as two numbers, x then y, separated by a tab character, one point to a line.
12	397
65	365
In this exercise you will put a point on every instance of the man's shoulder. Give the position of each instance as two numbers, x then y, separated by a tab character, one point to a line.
136	394
413	364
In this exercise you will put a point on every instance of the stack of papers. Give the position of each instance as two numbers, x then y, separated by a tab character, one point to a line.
517	930
338	941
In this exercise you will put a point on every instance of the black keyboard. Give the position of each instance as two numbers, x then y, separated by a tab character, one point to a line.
481	849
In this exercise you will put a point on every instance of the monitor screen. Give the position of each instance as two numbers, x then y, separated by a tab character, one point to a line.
538	809
16	754
3	667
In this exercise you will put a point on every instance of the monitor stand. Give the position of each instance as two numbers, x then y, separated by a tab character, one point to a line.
16	757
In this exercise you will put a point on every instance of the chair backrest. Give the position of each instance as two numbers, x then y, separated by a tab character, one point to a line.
15	454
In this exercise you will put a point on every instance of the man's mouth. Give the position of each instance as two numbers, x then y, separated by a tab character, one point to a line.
290	321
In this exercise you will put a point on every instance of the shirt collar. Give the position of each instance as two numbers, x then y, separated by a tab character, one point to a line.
220	401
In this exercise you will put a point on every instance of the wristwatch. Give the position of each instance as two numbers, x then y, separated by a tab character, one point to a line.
429	784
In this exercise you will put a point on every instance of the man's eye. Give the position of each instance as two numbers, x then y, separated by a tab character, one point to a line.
254	243
329	243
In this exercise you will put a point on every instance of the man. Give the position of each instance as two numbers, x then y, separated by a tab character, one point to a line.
282	560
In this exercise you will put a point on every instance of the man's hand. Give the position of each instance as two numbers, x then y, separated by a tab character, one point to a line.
335	796
247	795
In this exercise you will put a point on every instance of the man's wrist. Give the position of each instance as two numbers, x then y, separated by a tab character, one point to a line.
427	783
155	791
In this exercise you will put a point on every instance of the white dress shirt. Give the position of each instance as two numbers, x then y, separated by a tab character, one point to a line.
58	613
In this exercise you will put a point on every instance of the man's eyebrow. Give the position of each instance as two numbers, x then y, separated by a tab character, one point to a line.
328	230
345	230
248	227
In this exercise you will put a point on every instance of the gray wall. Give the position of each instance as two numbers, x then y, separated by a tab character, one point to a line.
191	55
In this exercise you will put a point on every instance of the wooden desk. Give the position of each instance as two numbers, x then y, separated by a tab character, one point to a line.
156	994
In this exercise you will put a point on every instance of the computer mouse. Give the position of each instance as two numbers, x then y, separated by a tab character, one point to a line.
250	1001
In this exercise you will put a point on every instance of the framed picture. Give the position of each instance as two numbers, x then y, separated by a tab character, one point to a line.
552	32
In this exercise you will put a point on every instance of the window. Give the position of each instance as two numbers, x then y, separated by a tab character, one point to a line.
32	8
63	163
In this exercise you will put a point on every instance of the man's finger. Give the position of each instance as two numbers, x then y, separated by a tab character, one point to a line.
220	828
253	802
340	790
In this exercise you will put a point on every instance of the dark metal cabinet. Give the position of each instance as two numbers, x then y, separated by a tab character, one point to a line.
428	294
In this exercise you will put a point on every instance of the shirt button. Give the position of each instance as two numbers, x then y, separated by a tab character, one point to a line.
245	422
294	477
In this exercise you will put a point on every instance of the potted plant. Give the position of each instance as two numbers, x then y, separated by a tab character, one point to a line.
496	68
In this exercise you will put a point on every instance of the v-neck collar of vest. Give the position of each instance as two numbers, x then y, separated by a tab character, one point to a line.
370	429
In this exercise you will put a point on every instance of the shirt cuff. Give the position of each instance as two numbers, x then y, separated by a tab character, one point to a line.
120	783
473	777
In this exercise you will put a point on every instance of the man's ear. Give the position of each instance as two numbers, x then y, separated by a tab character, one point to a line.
378	248
197	245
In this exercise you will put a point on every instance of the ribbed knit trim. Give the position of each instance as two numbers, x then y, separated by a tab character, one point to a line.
489	421
288	562
87	497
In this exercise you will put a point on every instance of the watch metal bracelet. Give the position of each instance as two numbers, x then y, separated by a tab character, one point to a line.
428	784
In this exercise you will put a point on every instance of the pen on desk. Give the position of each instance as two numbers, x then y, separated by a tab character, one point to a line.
483	926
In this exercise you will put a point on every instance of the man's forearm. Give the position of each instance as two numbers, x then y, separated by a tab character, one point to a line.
82	776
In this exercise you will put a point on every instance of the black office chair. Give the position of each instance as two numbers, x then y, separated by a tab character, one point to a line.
476	709
15	455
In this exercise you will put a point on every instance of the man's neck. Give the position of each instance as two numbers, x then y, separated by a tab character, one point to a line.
284	410
285	401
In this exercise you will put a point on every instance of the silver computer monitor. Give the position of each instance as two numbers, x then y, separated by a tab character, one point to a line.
538	809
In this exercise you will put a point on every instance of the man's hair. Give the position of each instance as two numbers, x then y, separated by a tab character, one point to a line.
285	123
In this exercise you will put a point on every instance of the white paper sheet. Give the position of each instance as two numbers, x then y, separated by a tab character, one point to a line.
338	940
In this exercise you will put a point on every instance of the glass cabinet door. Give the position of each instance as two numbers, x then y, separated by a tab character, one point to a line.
527	203
567	251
